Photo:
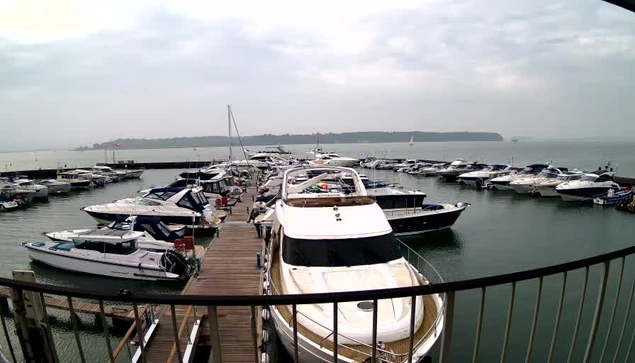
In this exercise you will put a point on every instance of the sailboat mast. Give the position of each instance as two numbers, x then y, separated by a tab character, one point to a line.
229	126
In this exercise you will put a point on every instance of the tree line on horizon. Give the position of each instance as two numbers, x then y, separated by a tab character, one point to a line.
269	139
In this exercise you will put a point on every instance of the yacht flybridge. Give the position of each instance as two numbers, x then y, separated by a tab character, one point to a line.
330	238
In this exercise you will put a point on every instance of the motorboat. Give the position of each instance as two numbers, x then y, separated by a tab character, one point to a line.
328	239
41	191
417	168
134	173
458	167
405	165
183	206
76	181
502	182
481	177
12	191
527	185
149	229
547	187
407	213
56	186
613	197
203	173
8	205
432	170
587	187
334	159
112	257
97	180
107	171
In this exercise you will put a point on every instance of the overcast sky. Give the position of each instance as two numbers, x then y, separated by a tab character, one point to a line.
74	73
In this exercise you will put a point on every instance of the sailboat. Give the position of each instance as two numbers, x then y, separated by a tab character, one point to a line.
412	141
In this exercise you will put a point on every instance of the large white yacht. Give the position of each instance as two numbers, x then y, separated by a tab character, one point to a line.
527	184
502	182
547	187
334	159
183	206
41	191
480	177
332	239
458	167
589	186
56	186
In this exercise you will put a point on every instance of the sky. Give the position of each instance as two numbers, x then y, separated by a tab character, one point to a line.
76	73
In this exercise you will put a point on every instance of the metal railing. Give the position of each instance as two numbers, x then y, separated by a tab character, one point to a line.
604	343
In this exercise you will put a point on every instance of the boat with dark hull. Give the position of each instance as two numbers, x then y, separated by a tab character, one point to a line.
587	188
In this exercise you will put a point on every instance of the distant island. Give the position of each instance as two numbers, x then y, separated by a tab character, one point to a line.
286	139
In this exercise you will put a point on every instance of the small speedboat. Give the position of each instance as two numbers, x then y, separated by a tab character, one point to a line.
431	170
588	187
613	197
458	167
119	257
8	205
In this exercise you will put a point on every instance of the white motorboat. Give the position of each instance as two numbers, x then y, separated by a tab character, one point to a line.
458	167
112	257
417	168
402	167
333	159
480	177
97	180
41	191
134	173
407	213
150	230
12	191
527	185
107	171
76	181
502	182
547	187
183	206
8	205
331	239
56	186
432	170
586	188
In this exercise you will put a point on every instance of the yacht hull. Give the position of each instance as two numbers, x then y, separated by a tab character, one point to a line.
407	223
581	194
523	188
59	188
95	267
547	191
501	185
310	352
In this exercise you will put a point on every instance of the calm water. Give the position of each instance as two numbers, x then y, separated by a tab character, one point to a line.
501	232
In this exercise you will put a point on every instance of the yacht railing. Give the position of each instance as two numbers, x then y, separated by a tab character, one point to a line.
599	331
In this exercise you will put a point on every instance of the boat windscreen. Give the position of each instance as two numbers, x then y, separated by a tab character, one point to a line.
340	252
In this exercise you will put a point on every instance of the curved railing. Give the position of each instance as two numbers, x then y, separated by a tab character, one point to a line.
449	289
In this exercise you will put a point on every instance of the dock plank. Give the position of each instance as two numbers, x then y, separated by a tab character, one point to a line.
229	267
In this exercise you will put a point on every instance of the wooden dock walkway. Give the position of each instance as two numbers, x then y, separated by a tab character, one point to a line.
116	312
229	267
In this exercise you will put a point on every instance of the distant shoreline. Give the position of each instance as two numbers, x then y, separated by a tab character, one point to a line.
300	139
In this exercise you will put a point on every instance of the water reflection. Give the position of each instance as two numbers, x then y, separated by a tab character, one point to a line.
448	241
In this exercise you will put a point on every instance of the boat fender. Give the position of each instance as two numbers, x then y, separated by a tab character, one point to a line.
264	358
265	314
265	337
178	244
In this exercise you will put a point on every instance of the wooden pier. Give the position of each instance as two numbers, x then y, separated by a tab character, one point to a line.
229	267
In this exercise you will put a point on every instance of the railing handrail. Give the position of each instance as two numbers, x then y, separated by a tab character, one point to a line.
323	298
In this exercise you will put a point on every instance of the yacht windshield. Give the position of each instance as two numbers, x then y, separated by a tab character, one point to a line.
589	177
340	252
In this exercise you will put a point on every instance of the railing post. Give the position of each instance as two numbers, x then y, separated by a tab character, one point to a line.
448	319
558	315
139	332
106	334
508	325
75	330
479	326
335	316
175	331
413	313
598	312
617	300
535	321
6	332
628	314
580	308
215	334
254	333
294	309
374	351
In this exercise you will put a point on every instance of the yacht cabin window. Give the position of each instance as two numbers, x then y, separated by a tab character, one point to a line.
124	248
147	202
340	252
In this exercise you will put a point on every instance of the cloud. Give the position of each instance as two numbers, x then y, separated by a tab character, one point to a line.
85	72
